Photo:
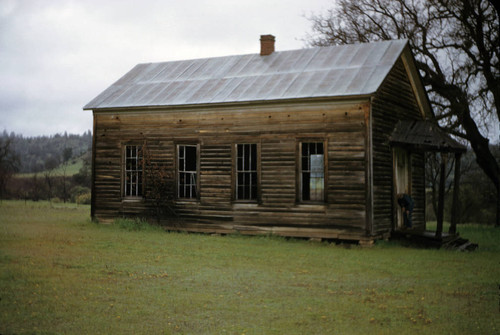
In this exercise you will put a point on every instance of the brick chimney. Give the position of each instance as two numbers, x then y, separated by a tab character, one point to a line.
266	45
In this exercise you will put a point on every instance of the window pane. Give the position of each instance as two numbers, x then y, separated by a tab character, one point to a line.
246	157
319	150
187	169
312	173
239	192
193	186
182	164
240	164
253	158
305	186
133	171
246	171
317	166
190	158
246	192
305	163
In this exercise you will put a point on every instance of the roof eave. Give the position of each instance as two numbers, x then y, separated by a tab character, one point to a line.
418	147
416	83
361	97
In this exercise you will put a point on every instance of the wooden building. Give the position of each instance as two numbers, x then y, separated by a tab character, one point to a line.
293	143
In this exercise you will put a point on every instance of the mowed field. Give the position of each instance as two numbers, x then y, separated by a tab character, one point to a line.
60	273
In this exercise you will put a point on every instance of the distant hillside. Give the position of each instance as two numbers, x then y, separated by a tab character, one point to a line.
73	167
46	152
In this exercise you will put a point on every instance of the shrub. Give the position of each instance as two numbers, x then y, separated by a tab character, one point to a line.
77	191
134	224
84	199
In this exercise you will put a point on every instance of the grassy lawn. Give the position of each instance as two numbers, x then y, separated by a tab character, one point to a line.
62	274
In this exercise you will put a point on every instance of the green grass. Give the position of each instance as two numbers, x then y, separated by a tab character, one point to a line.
62	274
73	168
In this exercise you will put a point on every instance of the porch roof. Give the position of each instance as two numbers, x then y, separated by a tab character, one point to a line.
424	136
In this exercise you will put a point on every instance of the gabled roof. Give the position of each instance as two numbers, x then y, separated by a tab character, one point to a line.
336	71
424	136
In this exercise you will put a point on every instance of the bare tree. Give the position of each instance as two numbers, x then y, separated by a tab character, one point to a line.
496	4
9	163
35	187
50	164
66	156
457	49
432	174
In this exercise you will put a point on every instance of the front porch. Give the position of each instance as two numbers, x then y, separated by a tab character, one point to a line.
426	136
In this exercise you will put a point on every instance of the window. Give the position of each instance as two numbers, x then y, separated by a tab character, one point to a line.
312	172
246	172
133	171
187	167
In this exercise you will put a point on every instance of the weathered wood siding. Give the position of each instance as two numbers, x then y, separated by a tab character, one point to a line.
277	130
395	101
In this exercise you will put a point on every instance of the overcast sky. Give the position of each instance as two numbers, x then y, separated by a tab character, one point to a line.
57	55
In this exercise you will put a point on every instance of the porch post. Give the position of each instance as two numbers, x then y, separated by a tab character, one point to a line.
440	214
455	215
93	169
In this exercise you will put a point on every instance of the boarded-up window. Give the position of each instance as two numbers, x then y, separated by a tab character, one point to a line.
187	171
133	171
312	172
246	172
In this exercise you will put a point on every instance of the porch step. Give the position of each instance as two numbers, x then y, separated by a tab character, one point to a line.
427	239
461	244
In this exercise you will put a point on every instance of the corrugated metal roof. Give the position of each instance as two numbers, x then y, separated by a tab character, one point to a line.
345	70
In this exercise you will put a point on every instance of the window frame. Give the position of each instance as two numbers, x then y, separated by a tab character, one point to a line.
235	184
139	160
299	179
178	196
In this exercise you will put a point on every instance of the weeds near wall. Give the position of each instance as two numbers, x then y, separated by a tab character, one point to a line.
159	184
137	224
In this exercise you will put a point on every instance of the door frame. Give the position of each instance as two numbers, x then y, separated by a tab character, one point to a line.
402	182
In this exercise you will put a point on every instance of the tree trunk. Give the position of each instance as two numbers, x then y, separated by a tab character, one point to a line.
455	207
497	223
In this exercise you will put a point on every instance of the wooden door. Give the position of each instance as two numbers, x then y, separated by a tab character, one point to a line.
402	180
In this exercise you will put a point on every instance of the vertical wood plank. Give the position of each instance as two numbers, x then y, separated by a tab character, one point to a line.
93	169
442	180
